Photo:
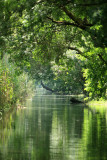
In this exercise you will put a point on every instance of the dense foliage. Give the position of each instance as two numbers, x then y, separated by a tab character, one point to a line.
61	42
13	87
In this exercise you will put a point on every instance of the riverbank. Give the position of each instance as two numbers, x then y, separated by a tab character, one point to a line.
97	103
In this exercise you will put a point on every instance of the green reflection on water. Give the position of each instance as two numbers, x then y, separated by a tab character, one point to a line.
50	128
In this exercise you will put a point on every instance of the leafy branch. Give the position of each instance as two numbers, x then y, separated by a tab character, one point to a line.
81	23
78	52
62	22
102	59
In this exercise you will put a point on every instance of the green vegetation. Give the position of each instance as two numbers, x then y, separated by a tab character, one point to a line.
98	104
13	87
61	43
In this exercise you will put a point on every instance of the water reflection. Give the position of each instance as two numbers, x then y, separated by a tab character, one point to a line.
50	128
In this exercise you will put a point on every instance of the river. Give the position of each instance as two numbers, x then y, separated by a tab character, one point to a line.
51	128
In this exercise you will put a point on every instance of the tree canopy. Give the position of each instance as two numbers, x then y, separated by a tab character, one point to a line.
69	35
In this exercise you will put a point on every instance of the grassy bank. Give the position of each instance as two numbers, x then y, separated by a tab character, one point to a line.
98	106
97	103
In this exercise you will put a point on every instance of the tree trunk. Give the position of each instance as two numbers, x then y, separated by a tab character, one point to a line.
47	88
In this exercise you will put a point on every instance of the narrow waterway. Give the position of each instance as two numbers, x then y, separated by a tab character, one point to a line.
50	128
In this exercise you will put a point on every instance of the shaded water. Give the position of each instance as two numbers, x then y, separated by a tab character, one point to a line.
50	128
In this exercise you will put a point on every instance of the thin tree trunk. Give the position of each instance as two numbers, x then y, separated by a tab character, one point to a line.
47	88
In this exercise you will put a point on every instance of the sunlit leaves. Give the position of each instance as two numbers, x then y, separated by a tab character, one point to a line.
45	30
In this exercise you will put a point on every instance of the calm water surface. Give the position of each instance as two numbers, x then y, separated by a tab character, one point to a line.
50	128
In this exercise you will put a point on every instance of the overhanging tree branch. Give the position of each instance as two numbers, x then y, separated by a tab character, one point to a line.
71	16
63	22
47	88
75	49
78	52
88	57
102	59
67	23
81	23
